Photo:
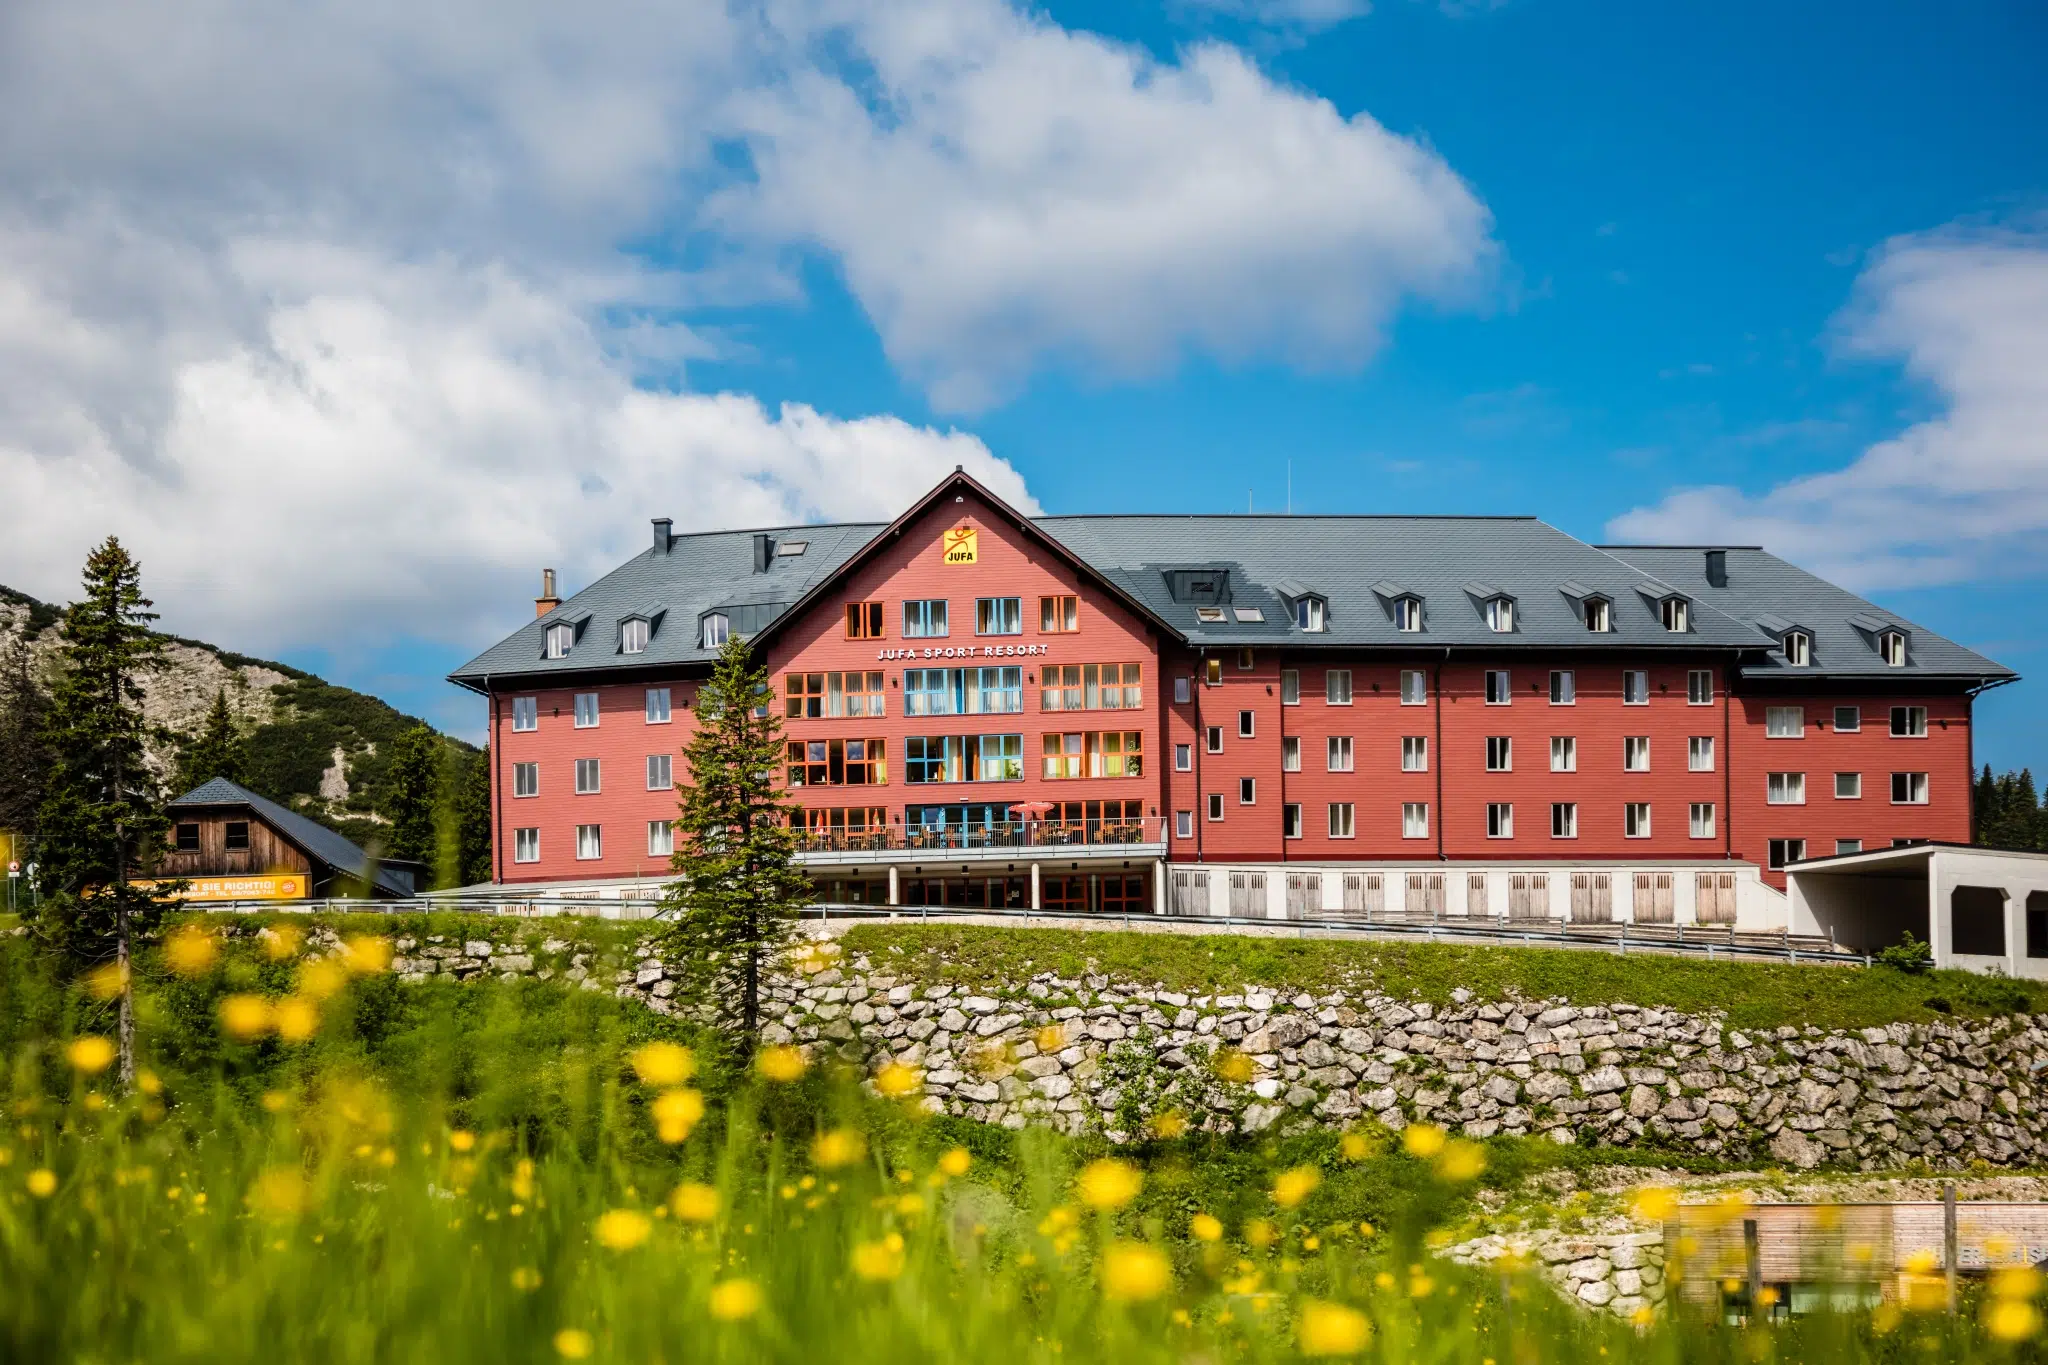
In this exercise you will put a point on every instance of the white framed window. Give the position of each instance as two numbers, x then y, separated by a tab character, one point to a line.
1500	753
657	706
1564	819
1635	753
1337	687
1909	789
1785	789
526	713
1213	735
1635	687
633	633
1848	846
1339	753
1798	648
1415	753
526	845
1635	820
660	772
1699	754
1848	719
1499	687
1308	614
1848	786
714	630
1414	687
1290	820
1408	614
1699	686
586	710
560	640
1343	819
1783	852
1909	722
1183	689
1414	819
661	839
1701	822
1245	724
1500	615
1183	758
1500	820
588	780
1247	791
1675	612
1564	753
1564	687
1599	615
1290	754
1183	824
1784	722
526	779
1215	805
589	842
1290	687
1891	647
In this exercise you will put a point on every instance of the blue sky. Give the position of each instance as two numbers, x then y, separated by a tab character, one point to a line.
1614	252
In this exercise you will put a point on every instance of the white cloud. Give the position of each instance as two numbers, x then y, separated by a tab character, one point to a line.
1001	192
1304	14
1962	495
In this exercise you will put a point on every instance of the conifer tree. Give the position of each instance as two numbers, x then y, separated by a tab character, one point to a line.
736	903
24	744
415	787
473	821
216	751
102	812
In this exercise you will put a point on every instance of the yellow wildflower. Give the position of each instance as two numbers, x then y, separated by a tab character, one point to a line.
2012	1320
664	1064
42	1182
1233	1066
1358	1146
280	1192
623	1229
955	1162
732	1300
522	1179
1332	1329
676	1112
694	1203
896	1081
245	1017
1654	1205
91	1054
881	1260
2016	1282
1460	1161
781	1064
1260	1233
191	951
366	954
275	1101
1291	1187
525	1279
107	981
1108	1183
321	978
1133	1271
1205	1227
149	1083
909	1205
840	1147
297	1019
280	941
573	1343
462	1140
1168	1126
1423	1140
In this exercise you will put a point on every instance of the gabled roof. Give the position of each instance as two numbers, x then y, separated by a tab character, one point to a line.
313	839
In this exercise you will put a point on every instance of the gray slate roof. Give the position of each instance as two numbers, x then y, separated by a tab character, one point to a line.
319	842
1355	563
1778	596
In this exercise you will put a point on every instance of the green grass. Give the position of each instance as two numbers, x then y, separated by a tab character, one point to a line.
1753	995
441	1174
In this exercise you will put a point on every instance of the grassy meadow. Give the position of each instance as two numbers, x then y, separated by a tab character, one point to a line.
318	1163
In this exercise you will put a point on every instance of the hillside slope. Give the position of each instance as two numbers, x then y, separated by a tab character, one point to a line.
309	744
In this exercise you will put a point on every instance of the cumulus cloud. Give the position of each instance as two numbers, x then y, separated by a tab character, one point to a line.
1961	495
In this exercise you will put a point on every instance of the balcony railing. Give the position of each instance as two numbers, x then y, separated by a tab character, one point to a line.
1008	834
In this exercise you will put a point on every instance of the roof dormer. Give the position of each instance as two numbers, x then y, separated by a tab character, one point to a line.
1310	609
1674	608
1890	639
1403	604
1795	642
562	633
636	629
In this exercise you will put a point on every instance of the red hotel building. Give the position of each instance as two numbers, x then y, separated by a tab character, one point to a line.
1247	715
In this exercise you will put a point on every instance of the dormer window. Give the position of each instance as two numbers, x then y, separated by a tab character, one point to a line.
1500	615
633	633
561	639
1676	615
1408	614
1308	614
1891	647
1798	648
716	628
1599	615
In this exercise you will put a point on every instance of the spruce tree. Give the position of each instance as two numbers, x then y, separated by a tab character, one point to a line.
736	903
216	751
24	743
414	792
473	821
1984	807
101	813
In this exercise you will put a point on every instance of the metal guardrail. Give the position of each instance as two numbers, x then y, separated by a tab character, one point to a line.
1709	941
1001	835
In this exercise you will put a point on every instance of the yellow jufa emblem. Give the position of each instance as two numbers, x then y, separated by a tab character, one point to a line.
959	545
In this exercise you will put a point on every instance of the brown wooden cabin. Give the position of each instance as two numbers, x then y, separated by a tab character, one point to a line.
222	829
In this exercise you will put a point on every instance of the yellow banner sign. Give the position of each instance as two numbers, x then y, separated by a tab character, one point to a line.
959	546
279	886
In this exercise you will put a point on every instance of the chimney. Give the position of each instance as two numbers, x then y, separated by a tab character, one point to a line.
1717	568
662	527
764	551
547	601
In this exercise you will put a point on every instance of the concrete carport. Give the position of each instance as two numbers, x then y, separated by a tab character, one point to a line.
1980	909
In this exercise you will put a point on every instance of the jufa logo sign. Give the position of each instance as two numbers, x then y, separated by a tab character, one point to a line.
959	546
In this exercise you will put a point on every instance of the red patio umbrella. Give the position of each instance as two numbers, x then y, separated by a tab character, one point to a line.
1031	809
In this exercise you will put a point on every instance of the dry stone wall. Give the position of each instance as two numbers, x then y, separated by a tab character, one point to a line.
1092	1054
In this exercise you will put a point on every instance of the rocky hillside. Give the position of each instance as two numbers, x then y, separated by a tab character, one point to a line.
318	748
